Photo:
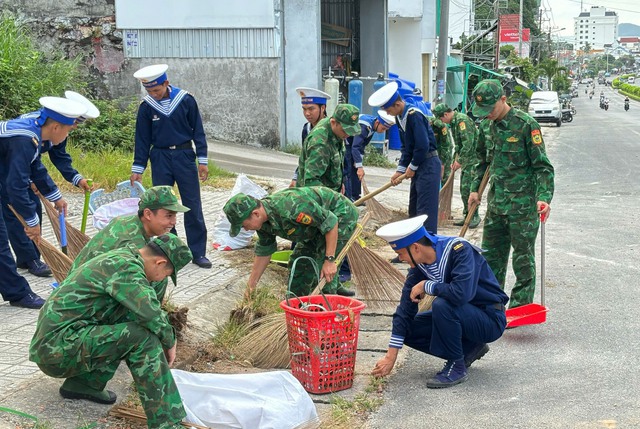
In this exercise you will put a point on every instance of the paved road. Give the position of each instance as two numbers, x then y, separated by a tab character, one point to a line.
578	369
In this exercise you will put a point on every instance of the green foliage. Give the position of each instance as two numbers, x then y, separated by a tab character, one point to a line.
26	74
520	97
506	51
375	158
528	72
113	129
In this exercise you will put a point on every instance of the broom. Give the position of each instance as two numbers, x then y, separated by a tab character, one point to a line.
377	210
381	189
472	209
444	200
57	261
267	345
76	240
139	416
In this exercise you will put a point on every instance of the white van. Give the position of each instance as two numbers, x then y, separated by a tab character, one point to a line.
544	106
631	79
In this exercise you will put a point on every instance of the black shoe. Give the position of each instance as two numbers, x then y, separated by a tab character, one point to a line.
395	260
454	372
37	268
202	262
343	291
475	221
104	397
30	300
476	354
459	222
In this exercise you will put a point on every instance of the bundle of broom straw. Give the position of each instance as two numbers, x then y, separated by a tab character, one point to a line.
76	240
377	210
267	345
138	416
444	201
57	261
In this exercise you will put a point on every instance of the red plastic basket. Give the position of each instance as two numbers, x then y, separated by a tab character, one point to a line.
322	342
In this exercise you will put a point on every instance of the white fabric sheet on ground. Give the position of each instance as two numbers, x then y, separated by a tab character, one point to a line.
267	400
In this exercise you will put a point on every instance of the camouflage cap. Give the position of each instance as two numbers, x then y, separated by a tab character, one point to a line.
347	115
440	110
238	209
161	197
486	94
174	248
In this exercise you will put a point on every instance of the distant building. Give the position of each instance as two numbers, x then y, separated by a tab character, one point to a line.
632	44
598	27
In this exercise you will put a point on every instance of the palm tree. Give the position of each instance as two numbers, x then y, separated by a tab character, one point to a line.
550	68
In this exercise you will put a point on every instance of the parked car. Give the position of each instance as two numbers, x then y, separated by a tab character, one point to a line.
544	106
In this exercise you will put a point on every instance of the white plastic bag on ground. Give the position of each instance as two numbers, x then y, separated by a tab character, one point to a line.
106	212
267	400
221	238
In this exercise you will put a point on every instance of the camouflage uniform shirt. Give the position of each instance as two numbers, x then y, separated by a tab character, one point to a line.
322	157
465	133
302	215
443	143
120	232
520	171
109	289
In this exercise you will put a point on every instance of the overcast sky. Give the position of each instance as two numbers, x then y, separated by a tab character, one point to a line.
557	14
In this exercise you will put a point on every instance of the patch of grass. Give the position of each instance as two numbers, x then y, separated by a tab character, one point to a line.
109	167
229	334
292	148
374	158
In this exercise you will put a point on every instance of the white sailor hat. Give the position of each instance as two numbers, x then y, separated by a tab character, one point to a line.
312	96
403	233
92	111
386	119
385	96
61	110
151	76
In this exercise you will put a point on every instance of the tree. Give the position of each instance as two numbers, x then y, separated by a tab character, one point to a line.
551	69
506	51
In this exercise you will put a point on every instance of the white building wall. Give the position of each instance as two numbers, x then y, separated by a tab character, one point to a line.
597	28
405	53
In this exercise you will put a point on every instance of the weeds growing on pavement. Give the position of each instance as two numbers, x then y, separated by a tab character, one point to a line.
375	158
293	149
108	167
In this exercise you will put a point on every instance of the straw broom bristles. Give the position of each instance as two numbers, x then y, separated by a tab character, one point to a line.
379	283
444	201
57	261
76	240
139	416
267	343
377	210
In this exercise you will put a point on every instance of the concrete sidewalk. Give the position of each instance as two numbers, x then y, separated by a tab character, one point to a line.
210	295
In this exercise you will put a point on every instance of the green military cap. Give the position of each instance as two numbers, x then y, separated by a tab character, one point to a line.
238	209
347	115
161	197
174	248
440	110
486	94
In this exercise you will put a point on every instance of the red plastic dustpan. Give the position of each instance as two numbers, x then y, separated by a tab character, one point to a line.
531	314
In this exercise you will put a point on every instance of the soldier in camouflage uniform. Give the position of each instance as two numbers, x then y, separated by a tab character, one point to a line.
443	143
106	311
522	181
318	219
322	157
464	133
157	212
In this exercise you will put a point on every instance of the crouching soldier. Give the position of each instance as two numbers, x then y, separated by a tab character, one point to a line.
106	311
467	313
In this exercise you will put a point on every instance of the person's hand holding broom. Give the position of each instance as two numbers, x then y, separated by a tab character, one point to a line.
61	206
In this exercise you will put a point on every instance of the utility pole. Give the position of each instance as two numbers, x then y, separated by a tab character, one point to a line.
443	42
520	31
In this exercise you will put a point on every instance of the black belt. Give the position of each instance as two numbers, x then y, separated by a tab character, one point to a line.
431	154
498	306
186	145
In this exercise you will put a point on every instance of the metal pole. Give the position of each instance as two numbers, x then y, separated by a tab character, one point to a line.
443	42
520	31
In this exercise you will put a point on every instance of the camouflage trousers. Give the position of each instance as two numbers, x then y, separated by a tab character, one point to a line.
465	189
304	276
101	350
503	232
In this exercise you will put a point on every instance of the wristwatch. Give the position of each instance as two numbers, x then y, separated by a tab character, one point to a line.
330	258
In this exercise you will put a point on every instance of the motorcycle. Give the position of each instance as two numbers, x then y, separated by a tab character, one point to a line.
566	115
626	106
606	105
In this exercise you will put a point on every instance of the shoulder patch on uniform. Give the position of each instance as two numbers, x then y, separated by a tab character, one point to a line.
458	247
536	137
304	218
462	126
512	139
444	131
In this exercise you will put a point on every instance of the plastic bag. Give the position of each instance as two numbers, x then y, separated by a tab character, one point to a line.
221	238
105	213
267	400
